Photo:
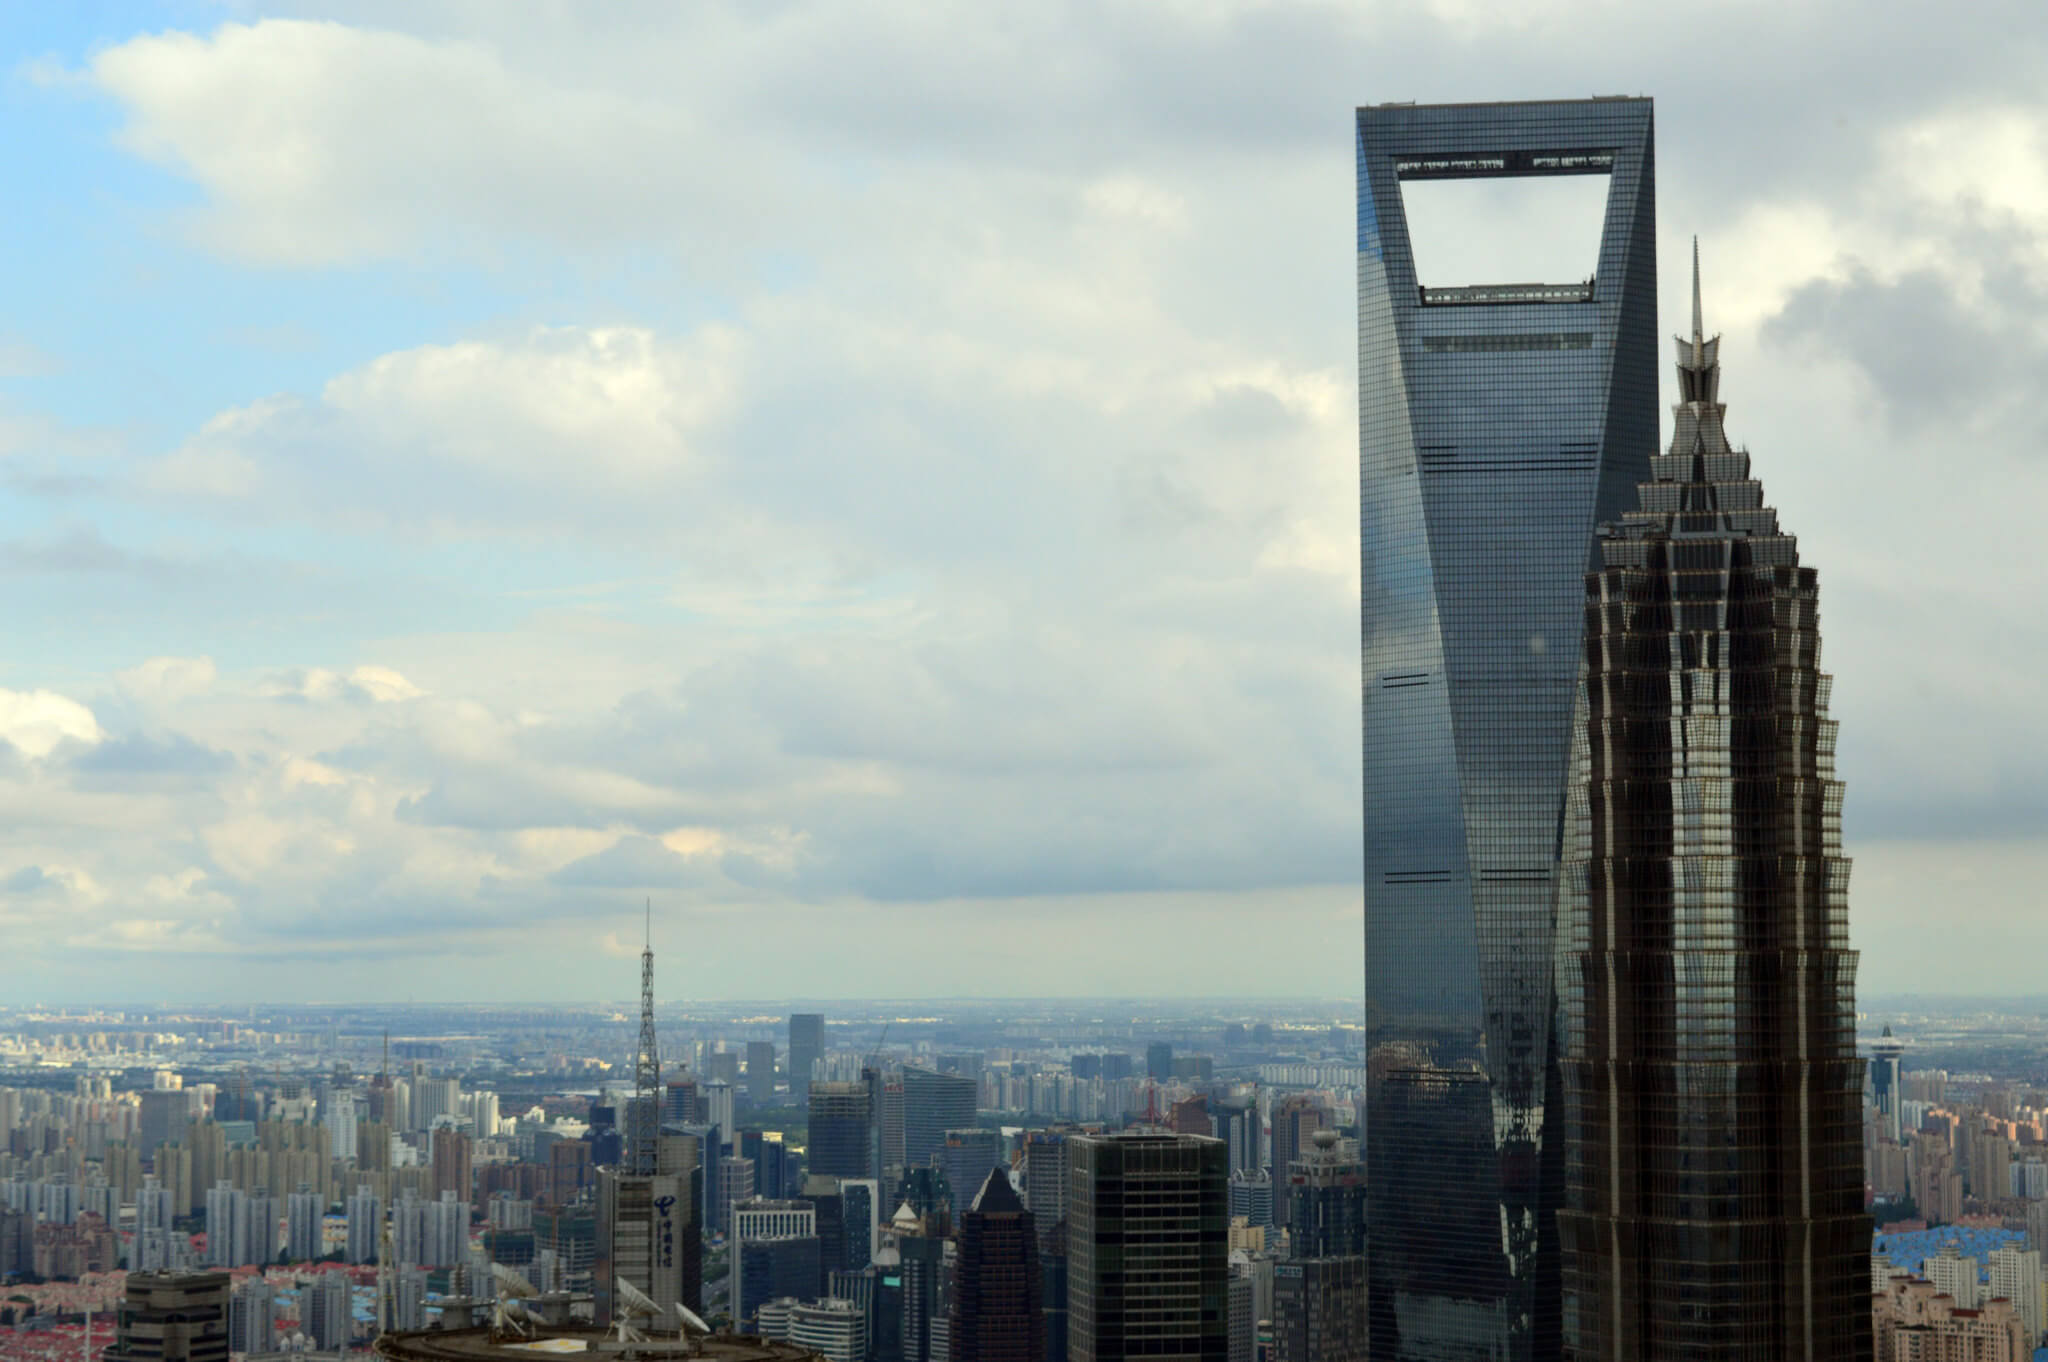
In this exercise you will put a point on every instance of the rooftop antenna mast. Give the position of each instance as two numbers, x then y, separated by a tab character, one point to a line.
647	1071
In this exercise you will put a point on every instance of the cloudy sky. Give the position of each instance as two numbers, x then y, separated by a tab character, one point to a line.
881	479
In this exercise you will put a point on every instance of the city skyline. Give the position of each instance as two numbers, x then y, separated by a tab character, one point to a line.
595	470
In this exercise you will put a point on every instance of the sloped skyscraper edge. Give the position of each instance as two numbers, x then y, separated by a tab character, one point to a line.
1498	425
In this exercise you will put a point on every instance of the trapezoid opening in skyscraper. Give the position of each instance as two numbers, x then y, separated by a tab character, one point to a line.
1499	423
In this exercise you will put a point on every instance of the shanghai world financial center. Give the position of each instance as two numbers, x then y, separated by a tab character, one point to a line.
1500	423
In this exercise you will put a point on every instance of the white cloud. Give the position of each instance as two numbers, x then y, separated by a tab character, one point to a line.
932	433
167	680
36	722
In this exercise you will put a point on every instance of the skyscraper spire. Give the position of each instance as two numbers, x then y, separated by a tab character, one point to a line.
645	1124
1699	335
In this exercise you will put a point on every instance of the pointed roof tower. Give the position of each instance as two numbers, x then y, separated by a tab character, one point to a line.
997	1196
1697	425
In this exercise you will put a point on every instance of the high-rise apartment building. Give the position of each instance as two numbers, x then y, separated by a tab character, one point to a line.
806	1048
252	1317
305	1215
324	1311
1499	423
365	1225
453	1158
997	1312
2015	1274
1714	1099
1147	1248
1914	1322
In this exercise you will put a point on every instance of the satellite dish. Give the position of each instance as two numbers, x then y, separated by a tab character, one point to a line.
512	1283
634	1299
690	1319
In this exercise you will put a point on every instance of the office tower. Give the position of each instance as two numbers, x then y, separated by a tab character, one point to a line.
324	1310
735	1184
933	1103
1885	1095
806	1048
1159	1061
649	1233
1045	1178
967	1157
790	1229
1052	1262
717	1103
1251	1197
890	1122
841	1128
680	1106
723	1066
828	1207
568	1170
365	1225
163	1118
861	1204
303	1215
252	1317
1295	1121
1319	1301
453	1170
1191	1117
1147	1245
997	1310
918	1247
1710	1062
644	1227
765	1149
1244	1318
172	1317
1239	1125
835	1330
761	1073
1499	423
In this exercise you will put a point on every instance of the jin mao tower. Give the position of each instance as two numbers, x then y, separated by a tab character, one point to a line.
1714	1097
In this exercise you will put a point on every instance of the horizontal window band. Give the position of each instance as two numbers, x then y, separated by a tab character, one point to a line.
1528	340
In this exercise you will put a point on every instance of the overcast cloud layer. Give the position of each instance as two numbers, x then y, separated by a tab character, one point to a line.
881	480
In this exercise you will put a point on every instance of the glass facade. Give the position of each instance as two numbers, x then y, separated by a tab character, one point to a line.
1498	424
1714	1189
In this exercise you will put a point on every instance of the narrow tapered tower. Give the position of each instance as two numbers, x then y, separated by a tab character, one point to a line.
645	1127
1714	1172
